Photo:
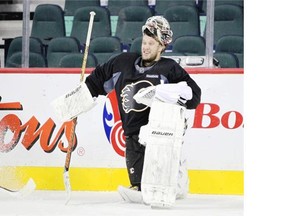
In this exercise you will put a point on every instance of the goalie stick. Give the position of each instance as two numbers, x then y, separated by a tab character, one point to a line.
71	143
26	190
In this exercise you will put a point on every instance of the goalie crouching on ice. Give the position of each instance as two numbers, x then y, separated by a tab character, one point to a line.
128	73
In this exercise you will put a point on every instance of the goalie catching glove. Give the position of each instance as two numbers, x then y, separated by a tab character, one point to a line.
174	93
75	102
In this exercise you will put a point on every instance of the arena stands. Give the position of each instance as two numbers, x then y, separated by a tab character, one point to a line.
11	15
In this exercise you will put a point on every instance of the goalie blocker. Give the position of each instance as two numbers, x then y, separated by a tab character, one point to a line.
163	137
73	103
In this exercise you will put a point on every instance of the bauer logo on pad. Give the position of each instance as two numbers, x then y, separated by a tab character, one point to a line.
162	133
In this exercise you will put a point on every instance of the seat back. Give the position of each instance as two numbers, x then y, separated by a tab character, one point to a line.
130	22
232	44
75	60
35	46
189	45
203	4
71	6
162	5
59	47
136	45
48	22
184	20
114	6
35	60
226	60
228	20
101	23
105	47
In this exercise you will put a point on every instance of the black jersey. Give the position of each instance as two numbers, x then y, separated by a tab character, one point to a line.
124	74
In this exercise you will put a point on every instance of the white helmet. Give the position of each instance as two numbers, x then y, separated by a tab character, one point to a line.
159	26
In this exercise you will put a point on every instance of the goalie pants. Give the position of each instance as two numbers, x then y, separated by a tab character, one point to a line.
134	159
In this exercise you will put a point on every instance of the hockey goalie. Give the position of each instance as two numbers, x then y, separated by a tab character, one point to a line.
164	176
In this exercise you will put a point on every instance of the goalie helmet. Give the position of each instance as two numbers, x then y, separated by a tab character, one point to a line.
159	27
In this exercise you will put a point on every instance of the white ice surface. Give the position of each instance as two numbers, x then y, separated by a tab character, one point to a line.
110	203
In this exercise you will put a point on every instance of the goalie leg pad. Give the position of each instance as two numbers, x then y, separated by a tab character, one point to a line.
73	103
163	136
182	181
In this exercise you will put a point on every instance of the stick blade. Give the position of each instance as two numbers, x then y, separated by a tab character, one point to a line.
28	189
67	186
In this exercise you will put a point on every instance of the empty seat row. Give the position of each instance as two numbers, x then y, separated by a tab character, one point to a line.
114	6
158	6
52	54
184	20
66	51
49	22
